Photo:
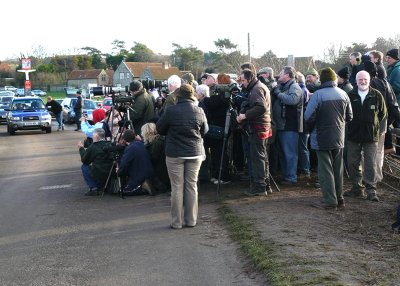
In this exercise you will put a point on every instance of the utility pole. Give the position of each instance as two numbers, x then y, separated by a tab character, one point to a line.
248	46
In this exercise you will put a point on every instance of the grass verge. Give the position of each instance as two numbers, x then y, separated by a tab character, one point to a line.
250	240
265	258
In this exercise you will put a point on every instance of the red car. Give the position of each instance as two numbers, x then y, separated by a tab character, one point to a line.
107	103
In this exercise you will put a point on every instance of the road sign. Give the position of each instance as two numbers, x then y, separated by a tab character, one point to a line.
28	84
26	64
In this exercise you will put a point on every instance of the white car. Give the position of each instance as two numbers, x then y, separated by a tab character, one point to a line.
38	92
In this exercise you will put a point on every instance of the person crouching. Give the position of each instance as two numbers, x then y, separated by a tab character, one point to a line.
136	165
97	162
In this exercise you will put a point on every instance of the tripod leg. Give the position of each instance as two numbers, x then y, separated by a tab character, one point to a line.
108	179
275	184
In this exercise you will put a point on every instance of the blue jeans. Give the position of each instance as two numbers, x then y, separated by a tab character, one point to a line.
289	141
88	178
304	154
59	119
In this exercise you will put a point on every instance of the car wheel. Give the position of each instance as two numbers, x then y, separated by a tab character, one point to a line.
48	130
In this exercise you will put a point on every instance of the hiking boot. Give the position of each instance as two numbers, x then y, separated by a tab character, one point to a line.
373	197
92	192
256	192
340	203
354	193
324	206
221	182
147	187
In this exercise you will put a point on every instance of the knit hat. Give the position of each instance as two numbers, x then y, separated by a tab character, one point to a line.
394	54
312	71
327	74
266	70
214	76
188	77
135	86
98	115
344	73
185	91
370	67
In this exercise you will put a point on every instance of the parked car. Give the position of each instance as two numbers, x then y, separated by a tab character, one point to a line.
38	92
7	93
27	113
107	103
4	103
68	109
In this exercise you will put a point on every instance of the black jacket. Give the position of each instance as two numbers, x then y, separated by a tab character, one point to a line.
184	125
55	107
365	126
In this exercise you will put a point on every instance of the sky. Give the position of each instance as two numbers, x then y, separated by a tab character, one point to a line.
299	28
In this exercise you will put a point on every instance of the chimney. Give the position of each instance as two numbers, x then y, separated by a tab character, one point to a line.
165	65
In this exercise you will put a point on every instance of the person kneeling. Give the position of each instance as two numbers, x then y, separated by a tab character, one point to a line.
136	164
97	162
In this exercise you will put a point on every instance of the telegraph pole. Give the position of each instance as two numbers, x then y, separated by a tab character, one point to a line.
248	46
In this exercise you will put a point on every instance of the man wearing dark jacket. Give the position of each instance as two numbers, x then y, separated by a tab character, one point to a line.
136	165
369	110
56	108
257	113
327	111
96	162
78	110
143	107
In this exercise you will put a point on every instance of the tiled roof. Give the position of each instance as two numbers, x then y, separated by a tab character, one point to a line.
84	74
157	70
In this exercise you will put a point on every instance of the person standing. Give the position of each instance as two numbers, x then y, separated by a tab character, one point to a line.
327	112
288	116
78	110
369	110
257	113
184	126
56	108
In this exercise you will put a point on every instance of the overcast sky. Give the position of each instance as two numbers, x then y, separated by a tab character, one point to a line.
301	28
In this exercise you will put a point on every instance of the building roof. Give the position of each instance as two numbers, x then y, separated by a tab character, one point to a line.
84	74
159	71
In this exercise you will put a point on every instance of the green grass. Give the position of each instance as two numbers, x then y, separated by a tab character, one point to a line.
265	255
56	94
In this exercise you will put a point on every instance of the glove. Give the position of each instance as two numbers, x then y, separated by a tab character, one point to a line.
276	90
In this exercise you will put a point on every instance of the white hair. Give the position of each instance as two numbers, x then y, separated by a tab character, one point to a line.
203	90
174	81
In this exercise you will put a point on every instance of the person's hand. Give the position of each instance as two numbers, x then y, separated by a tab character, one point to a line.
80	144
274	84
241	117
83	119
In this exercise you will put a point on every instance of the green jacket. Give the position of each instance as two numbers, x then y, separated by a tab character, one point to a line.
99	160
143	110
393	77
364	127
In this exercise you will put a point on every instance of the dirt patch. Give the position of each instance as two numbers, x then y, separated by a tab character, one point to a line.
353	246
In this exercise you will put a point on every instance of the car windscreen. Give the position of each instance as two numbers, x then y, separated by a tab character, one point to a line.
107	102
88	104
27	104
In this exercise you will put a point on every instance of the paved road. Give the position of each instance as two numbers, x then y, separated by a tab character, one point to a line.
50	234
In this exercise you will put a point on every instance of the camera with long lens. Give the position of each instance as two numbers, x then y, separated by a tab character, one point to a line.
103	90
229	91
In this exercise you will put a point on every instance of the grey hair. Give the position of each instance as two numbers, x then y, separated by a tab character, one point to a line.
203	90
100	132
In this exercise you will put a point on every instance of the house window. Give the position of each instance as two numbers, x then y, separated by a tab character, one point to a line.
121	75
103	77
127	75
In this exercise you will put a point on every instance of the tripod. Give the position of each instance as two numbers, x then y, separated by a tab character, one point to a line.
116	183
226	132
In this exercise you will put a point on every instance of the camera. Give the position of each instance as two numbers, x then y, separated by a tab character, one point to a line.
228	90
151	84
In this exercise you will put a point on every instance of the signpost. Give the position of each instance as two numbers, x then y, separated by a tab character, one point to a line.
27	68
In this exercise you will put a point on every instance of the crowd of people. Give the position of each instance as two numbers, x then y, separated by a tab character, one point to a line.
280	127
